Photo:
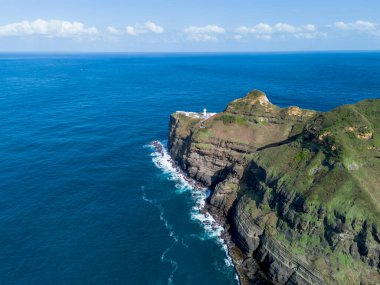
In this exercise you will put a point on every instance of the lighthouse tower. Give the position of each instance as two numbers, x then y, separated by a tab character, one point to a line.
205	112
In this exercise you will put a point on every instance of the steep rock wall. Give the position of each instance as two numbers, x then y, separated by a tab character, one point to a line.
291	240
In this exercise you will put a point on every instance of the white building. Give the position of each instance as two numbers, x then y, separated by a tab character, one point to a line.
203	115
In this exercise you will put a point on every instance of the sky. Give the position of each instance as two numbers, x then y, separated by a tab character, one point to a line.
188	25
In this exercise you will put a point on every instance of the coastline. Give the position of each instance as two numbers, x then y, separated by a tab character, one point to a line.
234	252
212	223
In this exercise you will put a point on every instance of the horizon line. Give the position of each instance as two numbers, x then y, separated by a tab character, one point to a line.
191	52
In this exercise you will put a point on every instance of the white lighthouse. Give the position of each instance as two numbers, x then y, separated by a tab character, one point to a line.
205	112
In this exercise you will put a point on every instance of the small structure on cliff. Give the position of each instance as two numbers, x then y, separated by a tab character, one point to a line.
204	115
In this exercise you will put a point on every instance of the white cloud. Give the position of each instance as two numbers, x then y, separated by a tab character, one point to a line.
150	26
260	28
285	28
341	26
205	30
205	33
131	31
147	27
266	32
359	26
310	28
112	30
47	28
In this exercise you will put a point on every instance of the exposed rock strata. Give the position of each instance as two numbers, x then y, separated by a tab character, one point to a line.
282	215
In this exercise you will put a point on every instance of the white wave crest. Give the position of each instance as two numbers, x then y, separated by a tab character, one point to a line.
163	161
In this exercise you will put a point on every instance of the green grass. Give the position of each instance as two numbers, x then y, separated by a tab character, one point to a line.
345	260
266	209
241	121
204	134
300	156
203	146
345	269
281	238
226	119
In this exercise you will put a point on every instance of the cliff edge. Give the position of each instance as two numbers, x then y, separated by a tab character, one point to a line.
298	189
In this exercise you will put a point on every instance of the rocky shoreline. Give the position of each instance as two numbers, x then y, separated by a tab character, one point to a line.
275	174
205	209
219	222
233	251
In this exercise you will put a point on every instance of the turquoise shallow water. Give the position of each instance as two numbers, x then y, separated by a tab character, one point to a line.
81	201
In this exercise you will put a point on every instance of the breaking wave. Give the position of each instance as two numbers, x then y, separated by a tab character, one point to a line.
212	229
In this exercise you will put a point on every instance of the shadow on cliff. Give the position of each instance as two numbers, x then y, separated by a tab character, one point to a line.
288	140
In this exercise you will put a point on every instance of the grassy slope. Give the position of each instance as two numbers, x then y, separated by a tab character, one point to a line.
334	162
356	161
339	171
345	178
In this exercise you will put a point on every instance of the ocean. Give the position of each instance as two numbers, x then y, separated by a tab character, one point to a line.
85	200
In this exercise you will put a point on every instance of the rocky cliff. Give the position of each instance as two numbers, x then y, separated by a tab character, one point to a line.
298	189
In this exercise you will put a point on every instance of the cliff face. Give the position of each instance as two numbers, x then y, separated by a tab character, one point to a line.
299	189
208	149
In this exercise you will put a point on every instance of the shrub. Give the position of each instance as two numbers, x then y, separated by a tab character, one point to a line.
300	156
226	119
241	121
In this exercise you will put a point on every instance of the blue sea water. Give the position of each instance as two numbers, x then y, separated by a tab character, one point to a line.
81	201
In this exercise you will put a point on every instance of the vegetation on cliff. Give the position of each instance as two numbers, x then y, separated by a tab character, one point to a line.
292	183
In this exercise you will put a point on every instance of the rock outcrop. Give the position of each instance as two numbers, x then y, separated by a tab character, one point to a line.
298	189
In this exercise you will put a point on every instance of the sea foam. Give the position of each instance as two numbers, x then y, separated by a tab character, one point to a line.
212	229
